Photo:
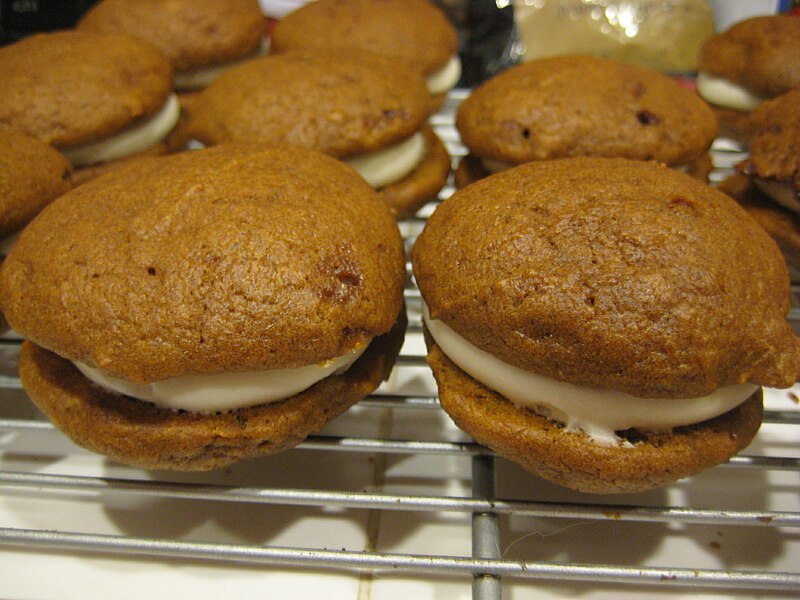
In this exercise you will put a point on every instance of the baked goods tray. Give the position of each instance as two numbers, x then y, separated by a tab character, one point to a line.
389	501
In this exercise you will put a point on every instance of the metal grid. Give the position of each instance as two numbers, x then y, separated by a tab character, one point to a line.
485	567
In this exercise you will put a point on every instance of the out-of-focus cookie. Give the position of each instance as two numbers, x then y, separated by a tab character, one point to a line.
752	61
583	106
364	109
600	322
190	311
200	38
94	97
414	32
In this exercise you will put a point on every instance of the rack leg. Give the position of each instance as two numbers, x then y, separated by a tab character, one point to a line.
485	530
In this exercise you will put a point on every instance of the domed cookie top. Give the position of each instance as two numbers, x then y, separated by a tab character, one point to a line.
71	87
233	258
191	34
761	54
31	175
340	103
611	274
415	32
579	105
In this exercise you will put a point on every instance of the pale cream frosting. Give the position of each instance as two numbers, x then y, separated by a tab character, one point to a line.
391	164
130	141
222	391
597	412
780	192
723	92
445	78
197	79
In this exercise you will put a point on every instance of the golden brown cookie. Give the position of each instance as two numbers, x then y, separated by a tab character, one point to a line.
584	106
242	258
407	196
761	54
415	32
191	34
72	87
774	142
613	275
343	104
32	174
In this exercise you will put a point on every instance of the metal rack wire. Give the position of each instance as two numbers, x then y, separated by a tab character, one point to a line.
486	568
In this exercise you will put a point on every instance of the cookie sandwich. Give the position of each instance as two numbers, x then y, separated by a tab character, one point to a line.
94	97
582	106
189	311
750	62
768	181
363	109
601	322
200	38
416	33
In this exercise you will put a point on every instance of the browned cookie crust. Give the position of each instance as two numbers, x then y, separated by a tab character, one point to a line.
191	34
613	274
584	106
71	87
143	435
780	223
570	458
774	141
32	174
234	258
761	54
340	103
412	31
407	196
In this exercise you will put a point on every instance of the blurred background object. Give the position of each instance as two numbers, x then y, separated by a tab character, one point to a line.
19	18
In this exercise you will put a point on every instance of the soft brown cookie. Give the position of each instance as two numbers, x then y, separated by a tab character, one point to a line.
32	174
761	54
191	34
617	276
414	32
584	106
71	87
343	104
233	259
774	143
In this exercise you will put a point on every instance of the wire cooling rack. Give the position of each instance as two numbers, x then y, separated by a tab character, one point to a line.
750	502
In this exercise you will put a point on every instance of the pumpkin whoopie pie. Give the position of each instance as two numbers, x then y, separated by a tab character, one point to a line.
95	97
363	109
416	33
244	295
600	322
754	60
200	38
567	106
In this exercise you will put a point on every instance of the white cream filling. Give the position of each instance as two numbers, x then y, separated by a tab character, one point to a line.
782	193
598	413
445	78
388	165
725	93
223	391
199	78
130	141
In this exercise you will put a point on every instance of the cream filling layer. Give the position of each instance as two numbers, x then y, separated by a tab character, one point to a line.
391	164
222	391
130	141
445	78
722	92
782	193
196	79
598	413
